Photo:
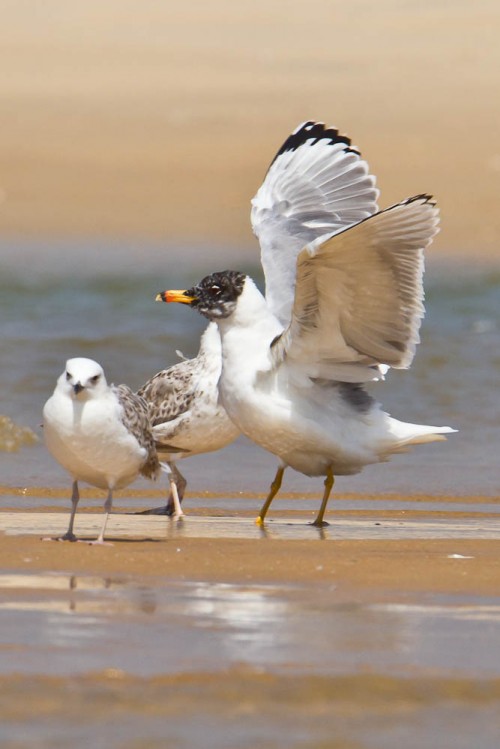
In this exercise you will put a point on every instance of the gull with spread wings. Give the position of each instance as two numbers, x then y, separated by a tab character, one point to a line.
344	303
317	183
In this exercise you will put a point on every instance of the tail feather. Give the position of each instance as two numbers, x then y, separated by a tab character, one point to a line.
417	434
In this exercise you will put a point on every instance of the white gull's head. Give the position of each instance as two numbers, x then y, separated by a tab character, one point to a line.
82	379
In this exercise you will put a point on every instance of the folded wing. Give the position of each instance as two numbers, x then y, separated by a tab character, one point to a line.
136	420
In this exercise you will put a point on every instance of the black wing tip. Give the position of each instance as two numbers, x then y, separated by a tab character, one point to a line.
315	131
423	197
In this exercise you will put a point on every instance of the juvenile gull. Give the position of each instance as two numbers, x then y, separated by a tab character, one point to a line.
186	416
100	434
317	183
355	311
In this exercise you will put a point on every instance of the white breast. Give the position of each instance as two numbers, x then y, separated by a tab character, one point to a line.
90	441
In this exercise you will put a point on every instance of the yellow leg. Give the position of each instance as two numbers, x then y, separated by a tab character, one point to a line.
275	487
329	481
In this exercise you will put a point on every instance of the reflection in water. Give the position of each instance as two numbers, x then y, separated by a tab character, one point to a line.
60	624
223	657
254	619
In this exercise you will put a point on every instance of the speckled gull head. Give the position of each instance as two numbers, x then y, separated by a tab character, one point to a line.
82	379
215	296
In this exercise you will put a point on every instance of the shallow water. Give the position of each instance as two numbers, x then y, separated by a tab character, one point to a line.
88	624
153	663
53	313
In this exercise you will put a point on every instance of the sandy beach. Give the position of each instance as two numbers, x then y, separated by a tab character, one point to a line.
373	563
369	569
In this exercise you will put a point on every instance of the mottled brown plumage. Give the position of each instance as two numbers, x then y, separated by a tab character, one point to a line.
185	413
136	420
170	393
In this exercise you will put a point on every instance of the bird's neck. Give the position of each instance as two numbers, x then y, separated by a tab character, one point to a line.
251	312
210	341
248	332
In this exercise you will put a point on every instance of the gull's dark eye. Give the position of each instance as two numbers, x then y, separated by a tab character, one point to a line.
68	376
95	379
215	290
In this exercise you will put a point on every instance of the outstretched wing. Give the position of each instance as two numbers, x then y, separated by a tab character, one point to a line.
317	184
136	420
359	296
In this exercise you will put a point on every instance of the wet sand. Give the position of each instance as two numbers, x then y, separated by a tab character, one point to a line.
203	547
368	568
369	552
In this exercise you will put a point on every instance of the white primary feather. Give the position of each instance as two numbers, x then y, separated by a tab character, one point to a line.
317	184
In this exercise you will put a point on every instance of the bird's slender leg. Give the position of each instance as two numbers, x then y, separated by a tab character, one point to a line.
75	497
175	478
179	480
329	481
170	508
107	509
69	535
274	489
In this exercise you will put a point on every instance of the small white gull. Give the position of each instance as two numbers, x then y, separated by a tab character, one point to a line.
356	307
99	433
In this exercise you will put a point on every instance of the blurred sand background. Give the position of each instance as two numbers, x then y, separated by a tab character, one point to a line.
157	120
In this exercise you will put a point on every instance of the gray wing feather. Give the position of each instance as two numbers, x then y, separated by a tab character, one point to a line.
359	296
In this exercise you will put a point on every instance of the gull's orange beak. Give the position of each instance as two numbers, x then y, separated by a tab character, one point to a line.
175	295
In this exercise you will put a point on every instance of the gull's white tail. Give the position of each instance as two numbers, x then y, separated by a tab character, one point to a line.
405	434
